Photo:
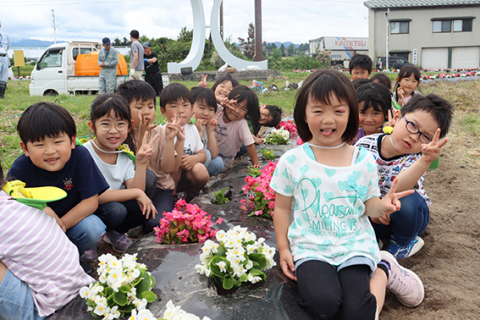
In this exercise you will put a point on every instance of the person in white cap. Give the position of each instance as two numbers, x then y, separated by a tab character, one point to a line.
4	62
107	60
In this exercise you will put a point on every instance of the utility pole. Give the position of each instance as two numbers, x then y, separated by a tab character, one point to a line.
388	32
54	28
258	32
221	20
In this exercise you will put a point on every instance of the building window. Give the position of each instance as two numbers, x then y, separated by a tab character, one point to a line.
462	25
458	25
399	27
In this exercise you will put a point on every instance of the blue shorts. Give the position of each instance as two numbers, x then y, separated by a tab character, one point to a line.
16	300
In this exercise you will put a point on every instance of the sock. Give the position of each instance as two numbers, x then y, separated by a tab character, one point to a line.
385	266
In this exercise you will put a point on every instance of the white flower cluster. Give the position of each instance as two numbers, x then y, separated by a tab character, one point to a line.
234	242
285	134
175	313
114	273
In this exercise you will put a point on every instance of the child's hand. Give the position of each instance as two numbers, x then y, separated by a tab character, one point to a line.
172	128
181	133
258	138
203	83
432	150
145	152
391	203
52	213
213	123
385	220
256	166
391	118
400	94
146	205
286	263
187	162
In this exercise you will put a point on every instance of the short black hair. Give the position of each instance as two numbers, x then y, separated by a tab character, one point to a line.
134	34
173	92
45	119
241	93
375	95
360	81
406	72
361	61
383	79
222	79
319	86
276	113
205	95
135	90
439	108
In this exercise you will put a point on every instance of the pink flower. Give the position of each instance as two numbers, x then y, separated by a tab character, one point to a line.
220	220
258	212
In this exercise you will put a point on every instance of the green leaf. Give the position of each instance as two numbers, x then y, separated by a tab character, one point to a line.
260	259
143	286
107	292
120	298
152	281
243	278
150	296
124	289
228	283
257	272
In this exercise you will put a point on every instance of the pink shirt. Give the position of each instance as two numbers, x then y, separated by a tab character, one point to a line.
230	136
36	250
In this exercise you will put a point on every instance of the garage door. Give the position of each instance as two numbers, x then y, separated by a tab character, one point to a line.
465	57
435	58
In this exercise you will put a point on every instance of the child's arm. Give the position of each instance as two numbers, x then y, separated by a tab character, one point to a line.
52	213
82	210
189	161
376	207
212	140
129	194
168	162
252	152
143	155
281	222
409	177
179	145
144	126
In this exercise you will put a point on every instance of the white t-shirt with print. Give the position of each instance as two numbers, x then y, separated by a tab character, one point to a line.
193	143
329	221
388	169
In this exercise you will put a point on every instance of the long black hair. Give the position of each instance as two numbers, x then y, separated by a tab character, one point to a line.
241	93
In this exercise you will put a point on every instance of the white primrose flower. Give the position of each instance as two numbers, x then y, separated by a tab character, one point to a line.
140	304
133	315
239	270
251	248
210	246
115	278
145	314
234	259
220	235
204	257
200	268
249	265
114	314
101	309
129	261
171	311
249	236
253	279
222	265
132	295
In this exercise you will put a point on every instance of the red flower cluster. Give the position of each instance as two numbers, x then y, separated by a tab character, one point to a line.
289	125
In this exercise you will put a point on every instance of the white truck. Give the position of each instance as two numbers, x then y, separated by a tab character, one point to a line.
342	48
55	74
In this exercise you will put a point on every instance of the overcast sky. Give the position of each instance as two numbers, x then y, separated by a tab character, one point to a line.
283	20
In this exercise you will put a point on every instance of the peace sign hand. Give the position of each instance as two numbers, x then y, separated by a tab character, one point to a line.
391	203
172	128
400	93
432	150
203	83
145	151
212	124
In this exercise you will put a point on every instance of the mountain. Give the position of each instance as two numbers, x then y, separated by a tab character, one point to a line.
286	44
31	43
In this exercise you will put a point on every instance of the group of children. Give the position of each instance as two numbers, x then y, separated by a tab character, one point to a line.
343	197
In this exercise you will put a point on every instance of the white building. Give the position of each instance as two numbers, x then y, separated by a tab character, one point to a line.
428	33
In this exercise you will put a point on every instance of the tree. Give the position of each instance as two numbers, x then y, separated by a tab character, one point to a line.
117	42
249	44
291	50
282	49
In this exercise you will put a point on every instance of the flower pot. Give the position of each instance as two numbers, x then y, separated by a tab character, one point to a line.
219	287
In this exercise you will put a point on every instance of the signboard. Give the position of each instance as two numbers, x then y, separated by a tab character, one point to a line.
414	57
18	58
344	43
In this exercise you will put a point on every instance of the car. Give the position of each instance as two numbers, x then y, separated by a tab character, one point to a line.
393	62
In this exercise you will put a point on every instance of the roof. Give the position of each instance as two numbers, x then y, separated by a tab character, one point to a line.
378	4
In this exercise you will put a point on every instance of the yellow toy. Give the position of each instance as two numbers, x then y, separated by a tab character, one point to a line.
33	197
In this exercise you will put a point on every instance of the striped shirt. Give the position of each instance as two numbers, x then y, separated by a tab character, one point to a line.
36	250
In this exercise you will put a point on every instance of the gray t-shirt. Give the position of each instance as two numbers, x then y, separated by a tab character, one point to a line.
137	47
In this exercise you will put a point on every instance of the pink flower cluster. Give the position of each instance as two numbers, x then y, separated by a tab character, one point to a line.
260	199
447	76
289	125
187	223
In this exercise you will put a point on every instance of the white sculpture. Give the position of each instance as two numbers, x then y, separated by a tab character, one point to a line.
196	51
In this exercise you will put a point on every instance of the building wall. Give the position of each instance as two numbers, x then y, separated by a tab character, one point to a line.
421	35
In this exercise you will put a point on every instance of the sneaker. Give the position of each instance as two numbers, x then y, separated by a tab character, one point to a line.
404	283
137	232
119	242
87	268
409	250
90	255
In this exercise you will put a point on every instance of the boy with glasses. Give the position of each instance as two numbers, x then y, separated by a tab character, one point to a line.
406	155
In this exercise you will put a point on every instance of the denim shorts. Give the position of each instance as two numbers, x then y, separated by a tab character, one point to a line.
16	300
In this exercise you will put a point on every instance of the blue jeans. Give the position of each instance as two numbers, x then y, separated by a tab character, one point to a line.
121	216
16	300
407	223
150	183
214	166
87	233
163	202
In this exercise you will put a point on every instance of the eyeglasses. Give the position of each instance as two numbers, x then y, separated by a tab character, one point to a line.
107	126
413	128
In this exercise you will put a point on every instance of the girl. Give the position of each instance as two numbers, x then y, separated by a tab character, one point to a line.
223	86
407	81
330	247
124	205
232	130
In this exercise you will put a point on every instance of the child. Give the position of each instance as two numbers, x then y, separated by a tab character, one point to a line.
232	131
204	108
51	158
407	81
405	156
39	271
270	116
330	247
360	81
383	79
124	205
360	66
223	86
374	106
176	101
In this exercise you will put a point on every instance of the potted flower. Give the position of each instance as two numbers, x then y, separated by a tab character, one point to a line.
235	258
278	136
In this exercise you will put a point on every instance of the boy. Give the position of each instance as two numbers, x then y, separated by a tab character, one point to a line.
406	155
39	271
159	183
270	115
177	101
360	66
47	132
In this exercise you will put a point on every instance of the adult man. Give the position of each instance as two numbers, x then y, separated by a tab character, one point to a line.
107	60
4	62
136	57
152	70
